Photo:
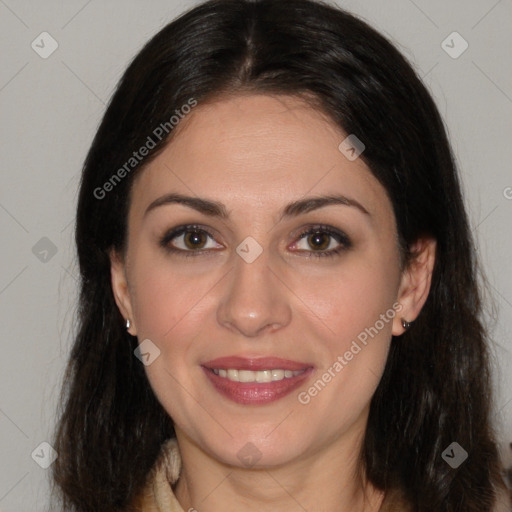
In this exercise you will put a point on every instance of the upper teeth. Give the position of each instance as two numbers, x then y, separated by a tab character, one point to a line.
256	376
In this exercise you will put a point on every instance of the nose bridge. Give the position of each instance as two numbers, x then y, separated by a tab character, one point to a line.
254	301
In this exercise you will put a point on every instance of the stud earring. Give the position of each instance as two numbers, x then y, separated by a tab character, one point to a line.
405	324
128	323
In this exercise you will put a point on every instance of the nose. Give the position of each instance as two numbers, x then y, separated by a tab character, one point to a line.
254	301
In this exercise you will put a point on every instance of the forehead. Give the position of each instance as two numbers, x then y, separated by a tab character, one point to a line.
258	151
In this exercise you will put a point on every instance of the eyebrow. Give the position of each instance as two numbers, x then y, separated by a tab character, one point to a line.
205	206
216	209
314	203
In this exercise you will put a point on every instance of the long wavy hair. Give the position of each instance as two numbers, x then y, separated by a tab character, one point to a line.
436	385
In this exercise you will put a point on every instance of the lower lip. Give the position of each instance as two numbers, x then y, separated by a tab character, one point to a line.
254	393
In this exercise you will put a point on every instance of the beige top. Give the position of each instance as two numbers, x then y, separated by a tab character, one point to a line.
158	495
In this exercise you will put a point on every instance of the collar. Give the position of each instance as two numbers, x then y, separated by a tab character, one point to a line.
158	495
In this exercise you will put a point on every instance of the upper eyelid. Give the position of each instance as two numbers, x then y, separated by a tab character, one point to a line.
183	228
321	228
208	229
296	232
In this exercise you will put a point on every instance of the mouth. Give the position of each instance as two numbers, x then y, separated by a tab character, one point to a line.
253	381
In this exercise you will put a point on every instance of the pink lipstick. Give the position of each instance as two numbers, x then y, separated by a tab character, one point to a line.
253	381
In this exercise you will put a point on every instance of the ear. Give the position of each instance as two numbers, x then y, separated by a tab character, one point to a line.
120	289
415	282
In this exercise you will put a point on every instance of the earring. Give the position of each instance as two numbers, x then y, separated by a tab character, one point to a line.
405	324
128	323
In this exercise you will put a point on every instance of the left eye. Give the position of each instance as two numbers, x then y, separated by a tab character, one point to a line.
321	241
192	240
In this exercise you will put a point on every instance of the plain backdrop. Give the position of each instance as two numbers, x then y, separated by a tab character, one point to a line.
50	108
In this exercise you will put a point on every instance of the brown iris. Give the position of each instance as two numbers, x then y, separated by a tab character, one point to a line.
319	241
194	239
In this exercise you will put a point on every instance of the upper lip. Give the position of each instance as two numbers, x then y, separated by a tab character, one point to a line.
255	363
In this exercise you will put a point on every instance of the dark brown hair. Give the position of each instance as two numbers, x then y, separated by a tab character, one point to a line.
435	389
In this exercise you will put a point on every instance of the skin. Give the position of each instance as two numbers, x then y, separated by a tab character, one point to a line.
256	154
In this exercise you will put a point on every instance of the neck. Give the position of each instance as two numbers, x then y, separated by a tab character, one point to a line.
329	480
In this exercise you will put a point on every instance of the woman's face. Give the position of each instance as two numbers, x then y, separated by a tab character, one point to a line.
263	264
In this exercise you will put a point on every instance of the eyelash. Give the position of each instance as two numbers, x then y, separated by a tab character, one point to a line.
339	236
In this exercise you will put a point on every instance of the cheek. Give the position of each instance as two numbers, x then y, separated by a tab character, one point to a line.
355	306
169	310
352	299
164	300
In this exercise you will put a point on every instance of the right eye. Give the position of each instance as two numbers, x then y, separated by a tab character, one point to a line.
189	239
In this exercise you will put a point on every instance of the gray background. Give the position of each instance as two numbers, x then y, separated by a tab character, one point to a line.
50	109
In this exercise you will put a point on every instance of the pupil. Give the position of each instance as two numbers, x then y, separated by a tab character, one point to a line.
318	241
194	240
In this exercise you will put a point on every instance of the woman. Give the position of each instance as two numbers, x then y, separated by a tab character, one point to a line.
279	305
